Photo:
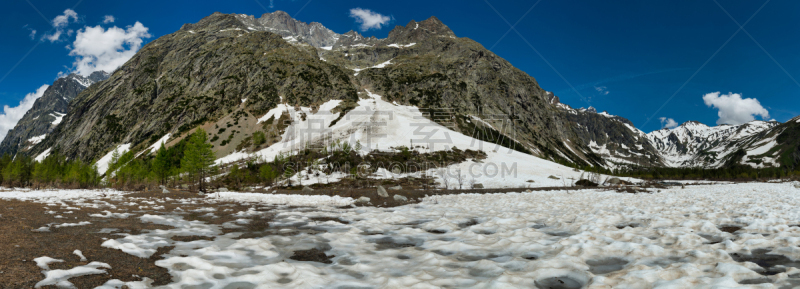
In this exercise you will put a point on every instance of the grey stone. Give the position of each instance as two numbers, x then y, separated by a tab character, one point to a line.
362	200
553	177
307	189
164	190
614	181
223	189
400	198
477	186
382	192
395	188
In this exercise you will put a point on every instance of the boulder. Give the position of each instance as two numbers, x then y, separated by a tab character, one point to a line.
382	192
553	177
164	190
362	200
797	186
395	188
614	181
585	183
400	198
477	186
222	190
307	189
185	186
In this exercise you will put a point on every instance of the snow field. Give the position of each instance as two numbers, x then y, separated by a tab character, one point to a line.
675	238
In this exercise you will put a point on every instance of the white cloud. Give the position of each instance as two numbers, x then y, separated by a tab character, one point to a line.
668	123
97	48
733	109
33	34
11	115
59	23
601	89
368	19
108	19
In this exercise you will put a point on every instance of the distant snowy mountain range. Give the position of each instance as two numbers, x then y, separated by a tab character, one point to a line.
692	144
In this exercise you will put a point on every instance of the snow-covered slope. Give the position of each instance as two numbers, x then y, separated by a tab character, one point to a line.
694	144
378	124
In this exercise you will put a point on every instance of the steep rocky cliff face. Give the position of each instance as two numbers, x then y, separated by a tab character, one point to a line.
197	75
47	112
615	139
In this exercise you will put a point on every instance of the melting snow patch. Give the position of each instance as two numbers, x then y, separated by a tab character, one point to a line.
37	139
60	277
84	223
43	155
59	116
80	255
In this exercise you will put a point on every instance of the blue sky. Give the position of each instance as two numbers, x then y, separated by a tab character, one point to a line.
642	60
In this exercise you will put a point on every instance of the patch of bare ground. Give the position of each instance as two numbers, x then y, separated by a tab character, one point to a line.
313	255
19	245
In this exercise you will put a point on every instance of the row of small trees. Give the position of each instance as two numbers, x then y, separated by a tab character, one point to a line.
191	160
53	171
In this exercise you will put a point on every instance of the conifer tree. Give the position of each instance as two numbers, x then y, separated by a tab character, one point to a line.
161	164
198	158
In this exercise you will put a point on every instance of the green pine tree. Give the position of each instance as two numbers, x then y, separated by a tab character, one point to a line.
161	164
198	158
267	174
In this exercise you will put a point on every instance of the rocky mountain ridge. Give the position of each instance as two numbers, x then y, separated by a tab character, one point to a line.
223	73
47	112
228	72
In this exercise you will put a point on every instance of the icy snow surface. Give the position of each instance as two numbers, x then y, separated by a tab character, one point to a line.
592	238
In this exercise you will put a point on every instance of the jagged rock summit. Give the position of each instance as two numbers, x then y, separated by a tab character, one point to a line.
47	112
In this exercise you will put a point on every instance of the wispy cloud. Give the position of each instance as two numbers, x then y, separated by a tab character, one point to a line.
602	90
60	23
602	82
369	19
108	19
